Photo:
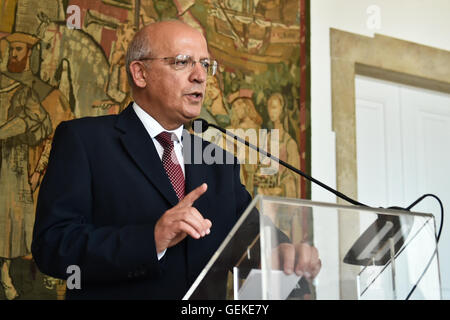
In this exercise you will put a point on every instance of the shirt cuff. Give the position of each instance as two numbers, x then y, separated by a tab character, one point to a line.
161	254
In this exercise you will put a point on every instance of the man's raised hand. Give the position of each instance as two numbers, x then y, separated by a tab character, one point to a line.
182	220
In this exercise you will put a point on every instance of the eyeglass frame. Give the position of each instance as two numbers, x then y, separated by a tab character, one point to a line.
213	64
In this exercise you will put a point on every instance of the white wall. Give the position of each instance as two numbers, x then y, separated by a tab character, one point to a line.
424	22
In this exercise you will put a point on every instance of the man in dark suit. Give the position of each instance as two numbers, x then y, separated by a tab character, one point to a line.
120	201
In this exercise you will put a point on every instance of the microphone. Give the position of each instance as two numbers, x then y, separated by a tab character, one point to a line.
201	125
371	240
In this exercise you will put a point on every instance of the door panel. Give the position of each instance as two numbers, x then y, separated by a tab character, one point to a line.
403	152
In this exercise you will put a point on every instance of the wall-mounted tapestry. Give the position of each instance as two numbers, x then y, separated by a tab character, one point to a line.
64	59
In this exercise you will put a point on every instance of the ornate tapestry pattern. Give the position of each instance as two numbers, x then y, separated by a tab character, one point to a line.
64	59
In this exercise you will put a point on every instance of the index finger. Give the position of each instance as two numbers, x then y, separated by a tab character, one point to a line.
190	198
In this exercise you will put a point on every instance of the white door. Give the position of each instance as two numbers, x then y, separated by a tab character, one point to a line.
403	152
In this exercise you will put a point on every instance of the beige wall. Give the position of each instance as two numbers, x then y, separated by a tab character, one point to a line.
414	22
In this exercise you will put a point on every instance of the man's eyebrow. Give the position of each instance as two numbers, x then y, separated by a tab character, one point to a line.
193	55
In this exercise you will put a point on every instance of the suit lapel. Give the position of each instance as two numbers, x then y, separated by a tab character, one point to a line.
141	149
195	173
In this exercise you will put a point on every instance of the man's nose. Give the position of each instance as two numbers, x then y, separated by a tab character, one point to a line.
15	52
198	73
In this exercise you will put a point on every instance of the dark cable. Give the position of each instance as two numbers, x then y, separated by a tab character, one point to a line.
437	238
204	126
442	211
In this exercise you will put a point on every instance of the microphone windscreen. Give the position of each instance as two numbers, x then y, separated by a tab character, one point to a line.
200	125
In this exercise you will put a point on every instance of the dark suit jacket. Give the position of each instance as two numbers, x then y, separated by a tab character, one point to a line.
104	189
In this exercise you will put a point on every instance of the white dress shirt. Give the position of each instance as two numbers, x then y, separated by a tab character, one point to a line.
154	128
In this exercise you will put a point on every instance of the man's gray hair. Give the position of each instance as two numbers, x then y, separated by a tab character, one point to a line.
138	48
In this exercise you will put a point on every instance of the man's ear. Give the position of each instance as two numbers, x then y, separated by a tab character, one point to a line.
138	73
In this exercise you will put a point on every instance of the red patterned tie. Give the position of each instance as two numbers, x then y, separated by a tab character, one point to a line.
170	163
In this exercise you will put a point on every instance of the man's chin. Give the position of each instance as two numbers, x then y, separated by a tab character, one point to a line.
188	120
192	112
14	66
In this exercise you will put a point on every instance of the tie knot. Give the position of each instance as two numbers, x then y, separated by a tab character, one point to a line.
165	139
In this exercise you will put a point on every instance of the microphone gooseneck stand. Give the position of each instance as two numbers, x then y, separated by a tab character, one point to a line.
200	125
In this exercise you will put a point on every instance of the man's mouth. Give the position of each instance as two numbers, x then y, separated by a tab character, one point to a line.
195	95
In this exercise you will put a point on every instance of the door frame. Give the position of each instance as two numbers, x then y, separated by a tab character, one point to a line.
380	57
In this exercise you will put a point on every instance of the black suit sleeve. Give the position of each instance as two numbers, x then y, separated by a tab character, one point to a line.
64	232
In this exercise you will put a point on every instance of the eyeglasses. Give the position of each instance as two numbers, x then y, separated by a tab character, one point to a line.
182	61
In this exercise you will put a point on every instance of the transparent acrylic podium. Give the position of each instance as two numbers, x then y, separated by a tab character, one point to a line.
365	253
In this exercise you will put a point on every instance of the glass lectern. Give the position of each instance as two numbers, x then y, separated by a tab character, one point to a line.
365	253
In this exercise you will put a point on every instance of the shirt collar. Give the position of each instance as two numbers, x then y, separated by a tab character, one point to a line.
152	126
